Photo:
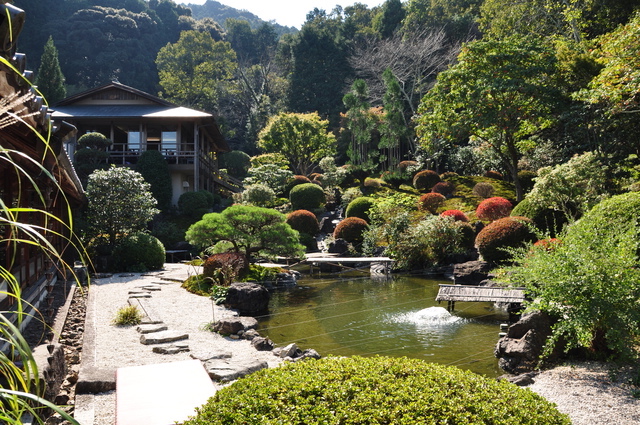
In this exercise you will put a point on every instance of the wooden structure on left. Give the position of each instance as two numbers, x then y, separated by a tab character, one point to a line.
37	179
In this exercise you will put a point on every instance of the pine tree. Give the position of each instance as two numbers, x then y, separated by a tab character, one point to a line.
50	80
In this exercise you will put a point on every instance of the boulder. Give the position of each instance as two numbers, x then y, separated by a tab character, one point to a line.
339	246
248	298
226	371
233	325
262	344
471	272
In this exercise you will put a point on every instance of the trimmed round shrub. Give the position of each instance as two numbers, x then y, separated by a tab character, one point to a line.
483	190
495	240
316	176
374	390
448	175
259	195
444	188
295	181
424	180
372	183
307	196
351	229
430	202
237	163
304	222
456	214
496	175
360	207
548	220
138	252
493	208
403	166
526	179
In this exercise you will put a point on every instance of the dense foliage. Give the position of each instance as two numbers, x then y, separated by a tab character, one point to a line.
138	252
424	180
351	229
250	230
456	214
155	170
360	207
430	202
493	208
225	267
307	196
304	222
590	283
497	240
360	390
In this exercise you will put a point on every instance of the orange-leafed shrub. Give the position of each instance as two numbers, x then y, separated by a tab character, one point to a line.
430	202
494	208
548	244
496	239
224	268
456	214
493	175
424	180
444	188
351	229
303	221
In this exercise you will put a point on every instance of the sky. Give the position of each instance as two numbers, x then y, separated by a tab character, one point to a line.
291	13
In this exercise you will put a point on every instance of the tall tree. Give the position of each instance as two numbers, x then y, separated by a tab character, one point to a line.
50	80
194	71
395	134
501	93
302	138
389	18
360	124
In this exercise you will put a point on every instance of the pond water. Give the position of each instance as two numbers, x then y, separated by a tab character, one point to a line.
378	316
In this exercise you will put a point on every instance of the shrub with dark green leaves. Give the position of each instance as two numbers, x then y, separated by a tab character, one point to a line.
424	180
195	204
237	163
374	390
155	170
396	178
138	252
430	202
224	268
360	207
444	188
307	196
351	229
493	208
303	221
495	241
547	220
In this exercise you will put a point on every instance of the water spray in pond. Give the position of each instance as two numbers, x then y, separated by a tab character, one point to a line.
431	316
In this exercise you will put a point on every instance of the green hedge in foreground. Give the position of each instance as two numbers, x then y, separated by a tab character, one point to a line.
378	390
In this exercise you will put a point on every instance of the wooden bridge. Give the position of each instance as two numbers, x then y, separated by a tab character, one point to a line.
346	264
468	293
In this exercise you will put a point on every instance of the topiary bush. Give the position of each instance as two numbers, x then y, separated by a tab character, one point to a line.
424	180
456	214
430	202
237	163
483	190
155	170
444	188
258	194
297	180
304	222
405	166
547	220
493	208
374	390
307	196
351	229
446	176
496	239
360	207
138	252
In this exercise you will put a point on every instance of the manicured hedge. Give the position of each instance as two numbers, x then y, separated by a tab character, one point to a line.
430	202
304	222
376	390
350	229
307	196
138	252
360	207
456	214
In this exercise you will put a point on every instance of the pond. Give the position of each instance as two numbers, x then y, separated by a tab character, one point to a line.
397	316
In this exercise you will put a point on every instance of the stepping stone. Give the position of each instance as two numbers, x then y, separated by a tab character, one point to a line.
138	292
211	355
224	371
144	304
161	394
162	337
171	349
140	295
150	287
147	329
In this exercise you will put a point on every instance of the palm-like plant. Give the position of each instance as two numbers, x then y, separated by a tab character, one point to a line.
20	387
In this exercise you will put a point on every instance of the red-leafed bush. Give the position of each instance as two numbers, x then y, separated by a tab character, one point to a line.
548	244
351	229
456	214
303	221
430	202
225	268
493	175
494	208
495	240
424	180
444	188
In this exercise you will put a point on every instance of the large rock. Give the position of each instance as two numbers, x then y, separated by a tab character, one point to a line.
471	272
520	350
233	325
247	298
226	371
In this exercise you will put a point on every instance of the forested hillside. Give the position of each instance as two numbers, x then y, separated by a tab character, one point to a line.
367	71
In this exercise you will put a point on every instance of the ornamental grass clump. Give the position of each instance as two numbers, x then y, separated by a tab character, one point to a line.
375	390
497	240
494	208
128	316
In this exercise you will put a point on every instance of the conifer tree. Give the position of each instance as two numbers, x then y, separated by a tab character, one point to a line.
50	80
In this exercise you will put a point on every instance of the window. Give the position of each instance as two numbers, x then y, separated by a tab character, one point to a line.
134	140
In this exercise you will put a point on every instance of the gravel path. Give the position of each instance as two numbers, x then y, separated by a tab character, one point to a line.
585	391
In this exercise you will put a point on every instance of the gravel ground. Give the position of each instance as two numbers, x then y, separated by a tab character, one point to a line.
587	392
